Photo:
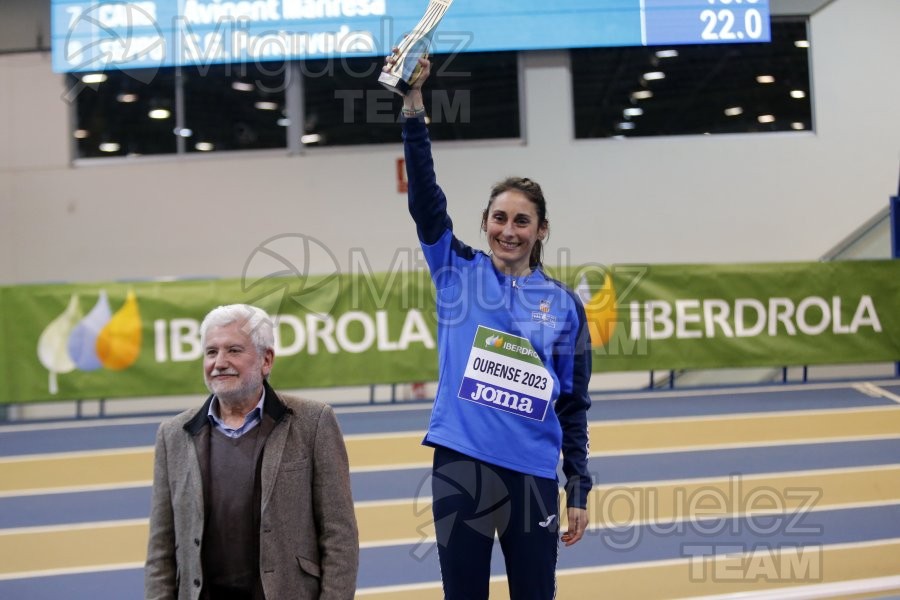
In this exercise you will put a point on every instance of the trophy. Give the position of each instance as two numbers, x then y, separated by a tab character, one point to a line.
406	67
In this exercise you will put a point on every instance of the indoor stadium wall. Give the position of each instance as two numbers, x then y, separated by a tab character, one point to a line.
724	198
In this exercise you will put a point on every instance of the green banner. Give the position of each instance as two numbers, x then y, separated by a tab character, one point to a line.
142	339
741	315
110	340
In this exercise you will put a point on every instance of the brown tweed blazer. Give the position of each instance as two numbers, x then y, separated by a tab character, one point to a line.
308	538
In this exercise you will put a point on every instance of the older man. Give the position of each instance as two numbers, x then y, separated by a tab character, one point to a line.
251	494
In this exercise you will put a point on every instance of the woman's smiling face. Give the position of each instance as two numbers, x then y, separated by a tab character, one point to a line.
513	227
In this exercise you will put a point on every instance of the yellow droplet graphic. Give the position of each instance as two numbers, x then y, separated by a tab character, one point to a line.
119	342
601	312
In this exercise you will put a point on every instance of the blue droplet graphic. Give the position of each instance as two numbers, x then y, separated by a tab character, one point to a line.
83	339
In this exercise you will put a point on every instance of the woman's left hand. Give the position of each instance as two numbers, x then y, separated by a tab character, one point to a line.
578	520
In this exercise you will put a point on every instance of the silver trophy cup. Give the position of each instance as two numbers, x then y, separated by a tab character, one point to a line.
406	69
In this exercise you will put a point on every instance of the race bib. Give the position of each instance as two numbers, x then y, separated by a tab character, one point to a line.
505	373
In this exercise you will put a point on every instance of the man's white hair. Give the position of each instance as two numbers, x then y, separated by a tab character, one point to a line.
257	324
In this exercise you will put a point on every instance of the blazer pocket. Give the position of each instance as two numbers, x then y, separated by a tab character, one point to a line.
294	465
310	567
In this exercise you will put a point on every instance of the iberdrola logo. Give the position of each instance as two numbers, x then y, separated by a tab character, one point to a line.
600	310
494	340
89	342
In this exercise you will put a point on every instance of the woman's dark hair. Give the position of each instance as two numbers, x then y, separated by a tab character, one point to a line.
531	190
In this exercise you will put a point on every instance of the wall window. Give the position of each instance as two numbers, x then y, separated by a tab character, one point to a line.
469	97
618	92
124	114
250	106
698	89
235	107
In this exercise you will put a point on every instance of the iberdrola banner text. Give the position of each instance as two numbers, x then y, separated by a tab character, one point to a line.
113	340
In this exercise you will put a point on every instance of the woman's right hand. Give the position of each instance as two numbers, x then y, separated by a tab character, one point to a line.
421	74
414	95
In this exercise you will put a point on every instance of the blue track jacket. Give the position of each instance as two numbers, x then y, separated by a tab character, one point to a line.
514	352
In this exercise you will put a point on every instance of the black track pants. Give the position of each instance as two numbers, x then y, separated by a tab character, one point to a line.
472	501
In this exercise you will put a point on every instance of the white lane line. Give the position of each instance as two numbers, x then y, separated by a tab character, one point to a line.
384	436
874	584
349	410
676	561
769	414
76	489
421	433
391	467
72	571
854	588
73	527
384	468
597	396
870	389
738	445
59	425
637	421
75	454
728	391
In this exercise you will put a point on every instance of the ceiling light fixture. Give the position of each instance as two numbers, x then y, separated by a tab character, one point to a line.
765	79
641	95
802	44
91	78
766	118
633	112
127	98
734	111
798	94
109	147
666	53
159	113
311	138
81	134
654	75
242	86
204	146
266	105
797	126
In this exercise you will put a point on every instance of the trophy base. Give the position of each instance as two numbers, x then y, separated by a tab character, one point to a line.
394	83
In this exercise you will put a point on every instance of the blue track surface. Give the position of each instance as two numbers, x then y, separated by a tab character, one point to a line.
134	503
665	404
414	563
417	563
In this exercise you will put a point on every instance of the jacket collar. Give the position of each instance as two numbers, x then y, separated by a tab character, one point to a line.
273	406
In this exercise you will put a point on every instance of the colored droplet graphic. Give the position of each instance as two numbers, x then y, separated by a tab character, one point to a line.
52	350
600	310
83	340
119	342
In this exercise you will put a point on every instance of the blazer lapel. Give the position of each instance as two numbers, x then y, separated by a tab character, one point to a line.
275	428
272	452
199	471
